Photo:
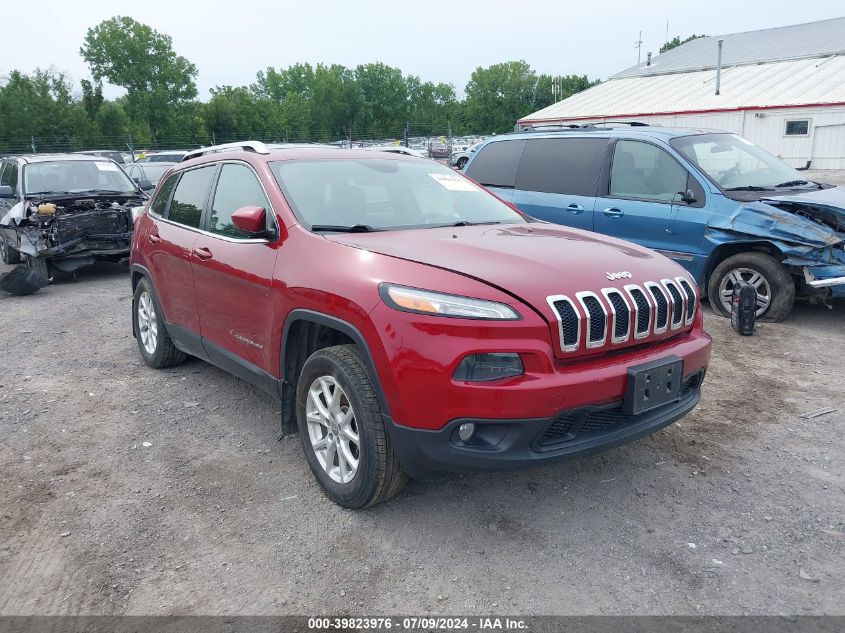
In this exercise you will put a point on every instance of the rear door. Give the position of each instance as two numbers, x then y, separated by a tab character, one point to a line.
494	166
233	274
558	178
177	214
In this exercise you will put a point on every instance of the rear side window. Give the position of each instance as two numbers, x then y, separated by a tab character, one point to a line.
159	205
9	174
190	195
645	171
237	187
496	163
561	165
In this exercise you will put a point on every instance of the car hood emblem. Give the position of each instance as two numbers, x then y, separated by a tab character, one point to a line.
623	274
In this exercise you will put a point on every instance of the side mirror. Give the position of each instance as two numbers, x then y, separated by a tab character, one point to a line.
6	191
252	221
687	197
145	185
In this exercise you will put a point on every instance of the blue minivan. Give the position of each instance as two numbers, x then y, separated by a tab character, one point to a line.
714	202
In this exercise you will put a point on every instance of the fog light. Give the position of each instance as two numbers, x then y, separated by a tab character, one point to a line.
466	430
484	367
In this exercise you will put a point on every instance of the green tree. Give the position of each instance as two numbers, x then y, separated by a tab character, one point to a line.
134	56
676	41
498	95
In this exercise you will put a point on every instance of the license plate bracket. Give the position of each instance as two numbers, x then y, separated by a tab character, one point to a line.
653	385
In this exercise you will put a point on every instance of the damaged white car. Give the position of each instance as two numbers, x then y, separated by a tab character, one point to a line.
61	212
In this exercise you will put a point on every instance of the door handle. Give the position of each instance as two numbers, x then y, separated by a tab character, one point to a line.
613	212
575	209
152	238
203	253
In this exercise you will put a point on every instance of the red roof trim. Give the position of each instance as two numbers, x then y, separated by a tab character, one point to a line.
626	116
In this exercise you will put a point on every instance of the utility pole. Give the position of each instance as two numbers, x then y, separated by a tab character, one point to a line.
639	46
406	133
129	145
32	143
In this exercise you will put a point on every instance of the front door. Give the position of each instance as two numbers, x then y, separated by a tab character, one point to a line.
233	275
642	196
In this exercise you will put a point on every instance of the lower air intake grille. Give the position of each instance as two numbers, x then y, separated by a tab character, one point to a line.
586	423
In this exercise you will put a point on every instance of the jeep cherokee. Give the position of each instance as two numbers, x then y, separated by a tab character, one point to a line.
409	322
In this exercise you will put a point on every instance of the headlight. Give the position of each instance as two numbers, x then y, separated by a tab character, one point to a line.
436	303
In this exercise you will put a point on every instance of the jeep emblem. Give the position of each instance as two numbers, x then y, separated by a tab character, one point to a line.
624	274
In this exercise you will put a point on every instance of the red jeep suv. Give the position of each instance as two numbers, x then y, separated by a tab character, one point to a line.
409	322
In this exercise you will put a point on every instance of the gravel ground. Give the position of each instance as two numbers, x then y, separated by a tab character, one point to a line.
125	490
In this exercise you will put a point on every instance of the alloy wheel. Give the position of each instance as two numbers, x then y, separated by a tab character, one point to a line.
333	429
147	322
755	278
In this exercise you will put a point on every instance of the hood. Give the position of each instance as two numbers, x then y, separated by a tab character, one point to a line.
811	218
530	262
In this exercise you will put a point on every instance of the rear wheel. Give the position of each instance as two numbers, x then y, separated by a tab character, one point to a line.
342	431
156	347
773	283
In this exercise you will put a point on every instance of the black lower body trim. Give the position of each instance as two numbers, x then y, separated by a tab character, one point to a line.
514	444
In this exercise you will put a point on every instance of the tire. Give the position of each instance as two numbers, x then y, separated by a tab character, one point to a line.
156	347
9	254
328	444
461	163
767	272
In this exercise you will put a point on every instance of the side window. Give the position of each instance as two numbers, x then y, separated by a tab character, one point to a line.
561	165
495	164
159	205
190	195
237	187
9	174
641	170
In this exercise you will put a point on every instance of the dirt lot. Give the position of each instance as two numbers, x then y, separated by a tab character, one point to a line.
129	490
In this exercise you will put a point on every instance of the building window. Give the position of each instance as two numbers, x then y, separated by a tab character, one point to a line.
799	127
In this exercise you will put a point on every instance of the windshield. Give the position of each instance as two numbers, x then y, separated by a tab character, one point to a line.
153	171
736	164
76	176
383	194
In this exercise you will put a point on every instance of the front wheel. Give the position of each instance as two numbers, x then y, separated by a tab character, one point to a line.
9	254
156	347
342	431
462	162
773	283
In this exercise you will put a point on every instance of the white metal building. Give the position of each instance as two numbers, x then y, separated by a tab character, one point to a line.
783	89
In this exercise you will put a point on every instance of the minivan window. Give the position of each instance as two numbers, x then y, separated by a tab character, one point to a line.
561	165
237	187
159	205
190	195
645	171
496	163
9	174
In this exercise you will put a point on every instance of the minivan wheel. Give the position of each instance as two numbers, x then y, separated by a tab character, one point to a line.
461	162
775	286
156	347
342	431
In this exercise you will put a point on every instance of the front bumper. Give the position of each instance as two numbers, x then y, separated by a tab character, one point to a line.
524	443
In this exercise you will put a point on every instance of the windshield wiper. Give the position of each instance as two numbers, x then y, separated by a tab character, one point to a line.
792	183
339	228
749	188
467	223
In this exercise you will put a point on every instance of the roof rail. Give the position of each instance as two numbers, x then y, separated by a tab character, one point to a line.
631	123
250	146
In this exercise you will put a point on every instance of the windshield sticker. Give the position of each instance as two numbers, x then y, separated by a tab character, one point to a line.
102	166
453	182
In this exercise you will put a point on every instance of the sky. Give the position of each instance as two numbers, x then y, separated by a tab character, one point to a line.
437	40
